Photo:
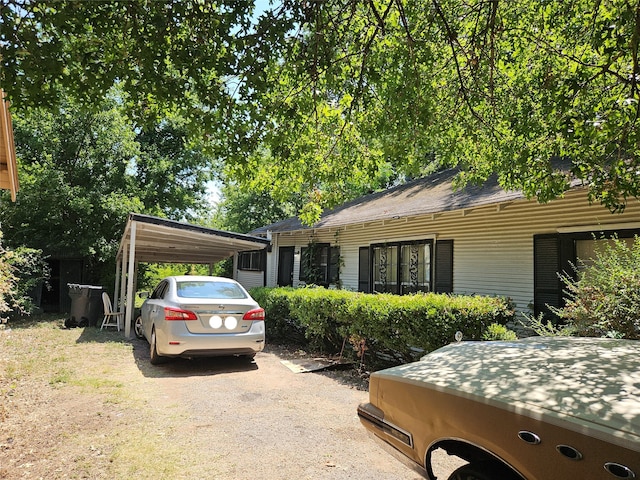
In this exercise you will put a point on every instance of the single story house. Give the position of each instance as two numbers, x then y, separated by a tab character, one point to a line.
426	236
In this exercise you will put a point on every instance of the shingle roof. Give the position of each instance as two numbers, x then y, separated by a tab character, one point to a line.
432	194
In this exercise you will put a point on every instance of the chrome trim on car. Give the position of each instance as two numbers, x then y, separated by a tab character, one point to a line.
398	455
529	437
569	452
618	470
375	416
218	311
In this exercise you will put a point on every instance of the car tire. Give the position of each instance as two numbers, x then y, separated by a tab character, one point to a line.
137	327
154	358
483	471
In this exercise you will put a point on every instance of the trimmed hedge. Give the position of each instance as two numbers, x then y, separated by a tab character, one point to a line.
398	328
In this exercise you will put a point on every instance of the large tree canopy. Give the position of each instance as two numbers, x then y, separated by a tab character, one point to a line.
492	86
164	54
83	172
339	92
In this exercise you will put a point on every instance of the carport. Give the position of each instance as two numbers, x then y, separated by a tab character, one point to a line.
158	240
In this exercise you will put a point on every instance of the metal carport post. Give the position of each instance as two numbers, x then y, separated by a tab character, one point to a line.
125	278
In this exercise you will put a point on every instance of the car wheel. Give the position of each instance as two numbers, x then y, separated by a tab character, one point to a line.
137	327
483	471
154	358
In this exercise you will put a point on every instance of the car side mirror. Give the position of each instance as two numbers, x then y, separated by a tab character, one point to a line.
144	294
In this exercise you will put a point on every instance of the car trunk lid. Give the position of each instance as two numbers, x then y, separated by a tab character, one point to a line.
219	317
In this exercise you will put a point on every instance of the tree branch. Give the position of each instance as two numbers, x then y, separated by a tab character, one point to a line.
635	41
360	88
452	40
377	15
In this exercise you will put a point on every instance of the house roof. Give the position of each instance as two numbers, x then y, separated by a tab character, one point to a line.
427	195
167	241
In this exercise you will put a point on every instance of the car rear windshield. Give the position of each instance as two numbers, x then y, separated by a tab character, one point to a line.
226	290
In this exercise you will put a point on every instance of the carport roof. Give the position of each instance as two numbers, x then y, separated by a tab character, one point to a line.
158	240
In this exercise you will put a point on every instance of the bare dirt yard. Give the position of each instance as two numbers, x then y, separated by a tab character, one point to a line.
86	404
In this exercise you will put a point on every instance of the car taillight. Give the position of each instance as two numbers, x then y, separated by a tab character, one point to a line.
255	314
178	314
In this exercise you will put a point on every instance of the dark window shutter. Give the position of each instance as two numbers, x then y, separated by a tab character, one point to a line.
444	267
364	266
334	264
547	288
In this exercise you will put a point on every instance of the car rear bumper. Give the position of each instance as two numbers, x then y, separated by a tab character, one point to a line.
218	352
185	344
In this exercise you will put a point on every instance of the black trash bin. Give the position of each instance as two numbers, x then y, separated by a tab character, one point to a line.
86	305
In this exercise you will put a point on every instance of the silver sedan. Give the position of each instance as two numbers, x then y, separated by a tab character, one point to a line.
189	316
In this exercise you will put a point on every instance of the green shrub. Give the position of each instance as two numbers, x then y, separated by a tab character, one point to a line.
278	322
412	325
32	272
399	328
544	327
604	300
496	331
8	282
319	311
21	271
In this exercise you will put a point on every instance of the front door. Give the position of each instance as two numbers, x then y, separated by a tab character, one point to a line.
285	266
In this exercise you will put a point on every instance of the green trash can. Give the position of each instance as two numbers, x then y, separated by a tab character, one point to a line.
86	305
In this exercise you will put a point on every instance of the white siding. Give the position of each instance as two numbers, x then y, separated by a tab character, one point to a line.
249	278
493	245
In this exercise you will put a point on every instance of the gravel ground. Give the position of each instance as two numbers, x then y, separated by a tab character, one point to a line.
264	421
86	404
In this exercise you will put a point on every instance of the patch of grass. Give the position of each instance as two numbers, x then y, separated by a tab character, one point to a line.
45	320
60	377
86	387
98	383
127	458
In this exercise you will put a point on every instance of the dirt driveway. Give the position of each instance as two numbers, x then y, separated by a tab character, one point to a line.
261	420
86	404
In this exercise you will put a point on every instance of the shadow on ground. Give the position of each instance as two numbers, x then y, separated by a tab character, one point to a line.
174	367
185	367
180	367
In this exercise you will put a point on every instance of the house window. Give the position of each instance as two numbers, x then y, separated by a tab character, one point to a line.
251	260
415	268
385	269
402	268
555	254
320	264
588	250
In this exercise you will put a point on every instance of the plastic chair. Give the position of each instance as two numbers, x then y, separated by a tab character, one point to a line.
111	318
